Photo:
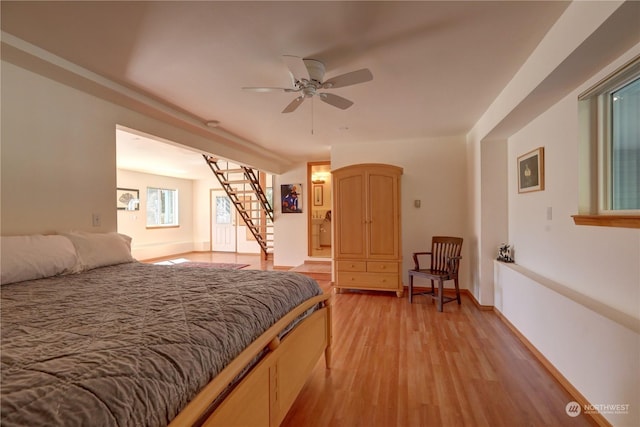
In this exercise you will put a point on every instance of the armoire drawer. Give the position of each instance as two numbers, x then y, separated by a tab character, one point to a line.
367	280
382	267
351	266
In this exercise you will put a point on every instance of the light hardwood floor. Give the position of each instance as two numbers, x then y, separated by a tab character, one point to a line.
406	365
401	364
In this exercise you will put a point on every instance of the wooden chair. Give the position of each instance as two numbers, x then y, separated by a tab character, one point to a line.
445	261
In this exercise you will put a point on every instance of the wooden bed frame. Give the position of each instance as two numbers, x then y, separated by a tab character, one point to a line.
266	393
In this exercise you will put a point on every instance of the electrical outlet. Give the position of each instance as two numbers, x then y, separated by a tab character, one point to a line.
96	220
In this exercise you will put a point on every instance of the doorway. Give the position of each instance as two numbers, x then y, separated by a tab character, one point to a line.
319	211
223	227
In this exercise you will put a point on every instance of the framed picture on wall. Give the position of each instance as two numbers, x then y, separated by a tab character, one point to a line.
291	198
317	195
126	195
531	171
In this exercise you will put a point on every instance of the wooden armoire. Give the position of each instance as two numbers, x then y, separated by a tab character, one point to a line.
366	220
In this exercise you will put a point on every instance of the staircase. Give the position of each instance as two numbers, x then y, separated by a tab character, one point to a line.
243	187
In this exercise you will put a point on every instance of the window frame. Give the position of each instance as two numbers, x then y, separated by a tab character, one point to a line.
595	118
176	208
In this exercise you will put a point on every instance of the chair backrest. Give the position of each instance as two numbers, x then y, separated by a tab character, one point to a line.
444	248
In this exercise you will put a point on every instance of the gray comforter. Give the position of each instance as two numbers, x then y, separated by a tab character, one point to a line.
130	345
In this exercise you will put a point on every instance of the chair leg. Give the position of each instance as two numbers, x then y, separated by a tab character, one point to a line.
440	294
457	291
433	291
410	288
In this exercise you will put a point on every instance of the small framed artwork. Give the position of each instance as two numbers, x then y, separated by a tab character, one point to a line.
317	195
290	198
126	195
531	171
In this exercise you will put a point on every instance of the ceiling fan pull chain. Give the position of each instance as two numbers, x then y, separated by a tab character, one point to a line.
312	102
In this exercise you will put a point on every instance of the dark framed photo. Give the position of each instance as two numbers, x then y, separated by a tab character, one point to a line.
291	198
128	199
317	195
531	171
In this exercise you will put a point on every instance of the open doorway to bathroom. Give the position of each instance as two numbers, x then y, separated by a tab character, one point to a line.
319	212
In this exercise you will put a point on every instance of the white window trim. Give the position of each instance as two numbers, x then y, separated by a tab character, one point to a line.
595	147
175	224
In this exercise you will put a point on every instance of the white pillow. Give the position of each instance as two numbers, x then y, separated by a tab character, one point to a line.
34	257
100	249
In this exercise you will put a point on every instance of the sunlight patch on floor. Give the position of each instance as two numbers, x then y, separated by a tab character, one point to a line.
172	261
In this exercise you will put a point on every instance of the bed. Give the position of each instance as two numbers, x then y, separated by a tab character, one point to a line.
134	344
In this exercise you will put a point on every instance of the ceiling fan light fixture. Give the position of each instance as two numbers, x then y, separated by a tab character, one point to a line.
315	69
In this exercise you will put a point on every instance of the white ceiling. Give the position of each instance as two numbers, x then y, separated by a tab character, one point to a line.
138	152
437	66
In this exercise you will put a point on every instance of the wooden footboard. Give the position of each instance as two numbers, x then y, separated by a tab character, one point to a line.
266	393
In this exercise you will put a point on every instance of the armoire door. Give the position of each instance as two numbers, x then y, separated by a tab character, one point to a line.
350	224
383	216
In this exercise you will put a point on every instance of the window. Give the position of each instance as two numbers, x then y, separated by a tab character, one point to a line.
625	147
223	210
610	150
162	207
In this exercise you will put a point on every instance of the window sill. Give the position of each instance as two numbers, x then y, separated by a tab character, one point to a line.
622	221
161	227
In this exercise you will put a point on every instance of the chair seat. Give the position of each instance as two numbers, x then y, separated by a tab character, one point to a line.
427	272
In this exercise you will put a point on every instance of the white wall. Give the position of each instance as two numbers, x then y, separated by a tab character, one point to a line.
595	348
58	156
58	164
493	213
599	356
585	38
157	242
435	173
600	262
290	229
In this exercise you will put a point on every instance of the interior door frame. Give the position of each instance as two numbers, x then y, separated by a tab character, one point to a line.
310	203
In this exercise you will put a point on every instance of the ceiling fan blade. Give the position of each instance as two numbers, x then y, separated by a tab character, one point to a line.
296	67
336	101
269	89
293	104
348	79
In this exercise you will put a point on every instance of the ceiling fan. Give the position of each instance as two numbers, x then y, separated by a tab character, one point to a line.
307	75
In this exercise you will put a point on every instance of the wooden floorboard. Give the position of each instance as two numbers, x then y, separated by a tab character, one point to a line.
405	365
401	364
